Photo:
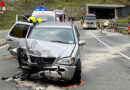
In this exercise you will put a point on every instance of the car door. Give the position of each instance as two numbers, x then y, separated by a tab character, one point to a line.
19	30
21	18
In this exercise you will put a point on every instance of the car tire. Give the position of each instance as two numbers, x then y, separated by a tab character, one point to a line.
21	56
77	75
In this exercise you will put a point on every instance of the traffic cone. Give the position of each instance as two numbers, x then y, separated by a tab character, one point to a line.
113	29
100	31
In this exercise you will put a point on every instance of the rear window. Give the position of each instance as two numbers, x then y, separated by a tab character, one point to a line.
89	18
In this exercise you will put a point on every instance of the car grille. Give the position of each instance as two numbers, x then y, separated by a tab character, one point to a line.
89	22
42	60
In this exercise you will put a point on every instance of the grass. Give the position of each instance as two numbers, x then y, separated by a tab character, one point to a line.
122	21
124	31
8	19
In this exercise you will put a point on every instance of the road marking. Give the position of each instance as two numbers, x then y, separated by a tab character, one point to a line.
3	46
109	46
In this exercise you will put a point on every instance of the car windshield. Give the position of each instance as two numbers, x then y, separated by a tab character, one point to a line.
46	18
59	35
90	18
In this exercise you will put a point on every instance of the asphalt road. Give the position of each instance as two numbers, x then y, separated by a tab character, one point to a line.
105	64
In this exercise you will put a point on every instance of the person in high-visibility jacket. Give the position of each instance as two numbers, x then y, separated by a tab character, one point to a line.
115	25
32	19
81	20
110	26
102	24
39	20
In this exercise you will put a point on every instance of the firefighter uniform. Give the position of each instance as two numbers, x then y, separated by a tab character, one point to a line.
102	25
110	26
115	25
98	24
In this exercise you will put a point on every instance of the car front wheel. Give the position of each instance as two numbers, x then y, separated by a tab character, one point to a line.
77	75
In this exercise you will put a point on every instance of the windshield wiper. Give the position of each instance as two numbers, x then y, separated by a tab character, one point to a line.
60	42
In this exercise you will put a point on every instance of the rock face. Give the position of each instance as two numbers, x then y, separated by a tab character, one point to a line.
77	12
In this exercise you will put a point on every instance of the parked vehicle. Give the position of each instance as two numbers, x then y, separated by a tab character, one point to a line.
106	23
49	16
49	50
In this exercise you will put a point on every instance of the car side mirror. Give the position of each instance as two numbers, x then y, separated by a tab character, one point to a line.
82	42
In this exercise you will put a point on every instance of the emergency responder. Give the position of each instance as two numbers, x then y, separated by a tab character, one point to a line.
102	27
32	20
81	20
115	25
60	19
110	26
98	24
71	21
39	20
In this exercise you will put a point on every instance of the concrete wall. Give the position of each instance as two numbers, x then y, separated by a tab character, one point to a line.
125	11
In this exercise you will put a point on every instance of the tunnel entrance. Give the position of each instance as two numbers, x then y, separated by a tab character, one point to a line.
103	13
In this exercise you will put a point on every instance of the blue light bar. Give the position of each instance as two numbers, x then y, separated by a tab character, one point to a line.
37	9
40	9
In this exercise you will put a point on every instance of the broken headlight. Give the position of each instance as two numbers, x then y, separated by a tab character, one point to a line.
66	61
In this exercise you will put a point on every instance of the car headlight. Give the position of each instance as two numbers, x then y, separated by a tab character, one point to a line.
84	25
66	61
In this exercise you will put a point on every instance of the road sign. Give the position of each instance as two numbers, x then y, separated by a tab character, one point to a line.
3	8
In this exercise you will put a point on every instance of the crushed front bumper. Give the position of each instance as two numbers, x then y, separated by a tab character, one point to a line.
57	72
61	72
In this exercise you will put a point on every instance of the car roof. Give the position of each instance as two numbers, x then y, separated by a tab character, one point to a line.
55	24
21	22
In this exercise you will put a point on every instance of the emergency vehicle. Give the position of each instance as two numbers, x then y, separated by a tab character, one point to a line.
49	16
89	21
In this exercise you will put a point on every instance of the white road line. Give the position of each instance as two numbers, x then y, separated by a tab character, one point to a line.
109	46
3	46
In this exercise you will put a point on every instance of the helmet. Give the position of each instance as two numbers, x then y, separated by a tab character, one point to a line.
39	20
32	19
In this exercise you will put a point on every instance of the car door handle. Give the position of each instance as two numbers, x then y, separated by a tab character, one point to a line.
9	39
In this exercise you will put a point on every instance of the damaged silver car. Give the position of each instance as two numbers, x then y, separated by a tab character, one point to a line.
52	51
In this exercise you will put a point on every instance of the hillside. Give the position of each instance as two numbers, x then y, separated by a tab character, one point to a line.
74	7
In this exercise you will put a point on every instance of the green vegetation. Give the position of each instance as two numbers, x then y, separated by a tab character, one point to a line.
128	18
122	21
8	19
123	31
19	6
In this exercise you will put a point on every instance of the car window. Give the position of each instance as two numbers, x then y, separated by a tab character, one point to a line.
61	35
19	31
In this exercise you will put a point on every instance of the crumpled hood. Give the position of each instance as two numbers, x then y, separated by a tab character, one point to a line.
46	49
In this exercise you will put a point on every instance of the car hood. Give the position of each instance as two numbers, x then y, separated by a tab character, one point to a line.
46	49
